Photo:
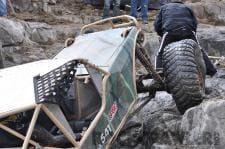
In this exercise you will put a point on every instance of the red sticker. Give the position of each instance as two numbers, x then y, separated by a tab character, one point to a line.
113	111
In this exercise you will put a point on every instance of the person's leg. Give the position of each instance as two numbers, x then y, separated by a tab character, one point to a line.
106	9
133	4
210	68
116	7
3	8
144	10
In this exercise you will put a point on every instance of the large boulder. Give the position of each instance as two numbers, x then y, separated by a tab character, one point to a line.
20	41
17	55
32	5
161	120
159	125
215	86
211	10
157	122
16	32
212	39
40	32
11	32
215	10
204	124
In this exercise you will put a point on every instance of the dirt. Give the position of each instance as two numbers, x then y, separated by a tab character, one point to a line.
62	12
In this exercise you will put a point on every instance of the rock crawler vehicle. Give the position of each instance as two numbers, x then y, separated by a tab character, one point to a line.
83	96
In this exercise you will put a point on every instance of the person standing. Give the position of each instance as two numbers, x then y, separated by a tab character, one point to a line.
106	9
144	10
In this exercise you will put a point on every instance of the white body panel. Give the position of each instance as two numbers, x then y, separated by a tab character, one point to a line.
16	84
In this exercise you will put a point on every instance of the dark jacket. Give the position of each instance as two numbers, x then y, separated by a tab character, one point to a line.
175	17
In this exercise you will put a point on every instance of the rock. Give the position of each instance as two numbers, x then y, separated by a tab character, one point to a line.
160	146
204	124
214	11
35	6
159	125
17	32
52	50
212	39
161	119
198	9
11	32
215	86
157	122
52	2
20	41
40	32
131	136
22	5
16	55
66	32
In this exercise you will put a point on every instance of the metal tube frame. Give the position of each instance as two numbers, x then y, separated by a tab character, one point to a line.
131	21
38	107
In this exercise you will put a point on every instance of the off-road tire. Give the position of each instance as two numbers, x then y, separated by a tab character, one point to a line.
184	72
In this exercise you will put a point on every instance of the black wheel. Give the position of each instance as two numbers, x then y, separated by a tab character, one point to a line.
184	72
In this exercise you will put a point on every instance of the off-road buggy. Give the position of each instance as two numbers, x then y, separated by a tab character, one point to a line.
83	96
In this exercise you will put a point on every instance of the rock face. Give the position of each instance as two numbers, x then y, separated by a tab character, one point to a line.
212	39
204	125
33	5
24	42
201	127
40	32
215	86
11	32
215	11
161	120
19	32
158	121
212	10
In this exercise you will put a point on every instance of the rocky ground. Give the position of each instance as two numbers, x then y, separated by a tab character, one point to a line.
38	31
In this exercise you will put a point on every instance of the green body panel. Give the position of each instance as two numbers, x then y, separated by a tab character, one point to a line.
120	93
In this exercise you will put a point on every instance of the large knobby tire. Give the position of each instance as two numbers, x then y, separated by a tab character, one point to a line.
184	72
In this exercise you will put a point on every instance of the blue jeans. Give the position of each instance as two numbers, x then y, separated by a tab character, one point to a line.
106	9
3	9
144	9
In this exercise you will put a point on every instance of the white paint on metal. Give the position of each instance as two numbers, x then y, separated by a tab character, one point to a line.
16	83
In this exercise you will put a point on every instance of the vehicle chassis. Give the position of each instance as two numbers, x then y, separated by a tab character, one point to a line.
113	123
